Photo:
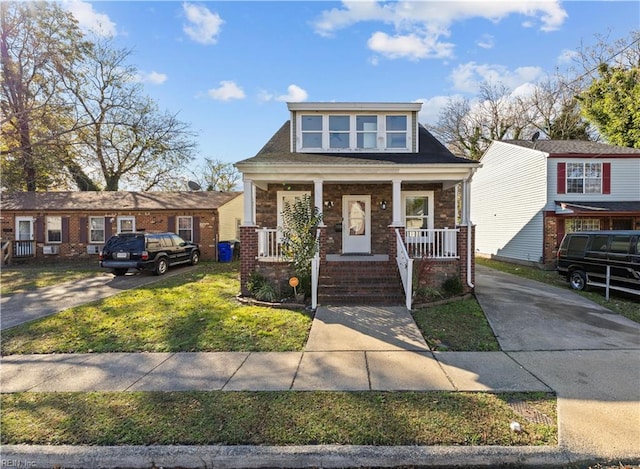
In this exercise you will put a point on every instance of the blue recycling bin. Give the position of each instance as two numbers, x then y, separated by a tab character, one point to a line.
225	251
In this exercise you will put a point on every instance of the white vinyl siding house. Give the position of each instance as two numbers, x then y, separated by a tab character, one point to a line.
527	195
511	198
231	217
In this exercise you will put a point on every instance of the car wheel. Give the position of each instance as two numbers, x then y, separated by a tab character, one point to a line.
578	280
120	272
161	266
195	257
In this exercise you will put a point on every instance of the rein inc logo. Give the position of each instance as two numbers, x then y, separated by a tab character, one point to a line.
17	463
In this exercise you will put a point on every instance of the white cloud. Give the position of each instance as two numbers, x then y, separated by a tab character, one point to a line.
468	77
487	41
431	108
204	25
294	94
90	20
227	90
567	56
416	28
153	77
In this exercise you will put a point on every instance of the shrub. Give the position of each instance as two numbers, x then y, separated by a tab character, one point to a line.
267	292
452	286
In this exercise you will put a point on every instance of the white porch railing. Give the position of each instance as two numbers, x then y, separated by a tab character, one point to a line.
434	244
405	266
270	245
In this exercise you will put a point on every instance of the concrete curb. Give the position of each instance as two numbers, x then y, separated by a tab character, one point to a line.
246	457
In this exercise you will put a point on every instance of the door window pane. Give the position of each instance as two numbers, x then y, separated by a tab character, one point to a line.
357	222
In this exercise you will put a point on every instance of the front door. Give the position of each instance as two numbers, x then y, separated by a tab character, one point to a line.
24	237
356	225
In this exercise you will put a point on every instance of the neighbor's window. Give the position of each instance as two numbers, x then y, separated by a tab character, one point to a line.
54	229
311	131
396	131
96	230
584	178
126	224
339	131
581	224
185	228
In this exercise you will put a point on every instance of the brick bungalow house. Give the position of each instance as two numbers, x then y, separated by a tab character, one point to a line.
388	192
74	225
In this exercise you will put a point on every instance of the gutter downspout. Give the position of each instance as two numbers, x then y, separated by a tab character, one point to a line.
467	215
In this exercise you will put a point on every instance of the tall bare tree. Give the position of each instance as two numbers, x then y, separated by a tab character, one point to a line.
40	43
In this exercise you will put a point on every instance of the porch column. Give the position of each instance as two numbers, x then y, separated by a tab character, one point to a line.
249	203
317	197
397	202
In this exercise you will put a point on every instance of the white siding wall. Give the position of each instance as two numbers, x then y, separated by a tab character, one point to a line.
230	213
625	181
508	197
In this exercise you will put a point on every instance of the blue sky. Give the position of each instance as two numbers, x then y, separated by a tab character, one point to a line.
228	68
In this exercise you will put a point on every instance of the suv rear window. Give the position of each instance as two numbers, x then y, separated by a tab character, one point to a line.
577	245
126	243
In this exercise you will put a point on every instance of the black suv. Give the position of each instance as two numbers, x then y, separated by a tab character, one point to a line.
155	252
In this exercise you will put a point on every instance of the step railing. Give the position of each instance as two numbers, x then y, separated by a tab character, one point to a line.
22	248
405	267
432	244
6	252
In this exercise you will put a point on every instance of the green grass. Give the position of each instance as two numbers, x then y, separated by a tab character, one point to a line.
23	278
457	326
625	304
194	311
272	418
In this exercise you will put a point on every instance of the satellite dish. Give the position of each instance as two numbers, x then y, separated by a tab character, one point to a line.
535	137
194	186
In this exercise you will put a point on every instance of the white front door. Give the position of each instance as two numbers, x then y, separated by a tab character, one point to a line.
24	232
356	224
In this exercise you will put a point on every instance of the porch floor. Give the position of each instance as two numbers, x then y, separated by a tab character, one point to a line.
357	258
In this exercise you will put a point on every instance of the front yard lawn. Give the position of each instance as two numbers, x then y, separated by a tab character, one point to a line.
196	311
274	418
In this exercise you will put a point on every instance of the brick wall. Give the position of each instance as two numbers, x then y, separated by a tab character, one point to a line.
78	230
248	255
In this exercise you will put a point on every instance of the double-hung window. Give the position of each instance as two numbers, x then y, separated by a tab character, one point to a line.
584	178
366	131
126	224
396	127
96	230
339	131
311	128
185	228
54	229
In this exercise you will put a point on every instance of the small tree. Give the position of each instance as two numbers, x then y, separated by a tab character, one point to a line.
299	245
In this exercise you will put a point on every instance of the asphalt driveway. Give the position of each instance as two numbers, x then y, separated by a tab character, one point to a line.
529	316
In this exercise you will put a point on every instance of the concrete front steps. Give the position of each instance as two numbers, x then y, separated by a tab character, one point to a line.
361	282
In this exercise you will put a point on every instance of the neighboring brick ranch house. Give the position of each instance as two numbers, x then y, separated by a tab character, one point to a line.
533	192
75	225
388	193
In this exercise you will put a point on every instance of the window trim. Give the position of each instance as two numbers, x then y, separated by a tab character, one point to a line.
47	230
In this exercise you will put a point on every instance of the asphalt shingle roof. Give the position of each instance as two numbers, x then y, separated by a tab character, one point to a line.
115	200
576	147
278	151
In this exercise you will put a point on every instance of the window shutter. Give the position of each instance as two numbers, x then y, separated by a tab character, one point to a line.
562	177
83	230
171	224
606	178
196	229
40	229
107	228
65	229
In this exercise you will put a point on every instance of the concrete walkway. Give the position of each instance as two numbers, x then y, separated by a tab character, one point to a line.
593	367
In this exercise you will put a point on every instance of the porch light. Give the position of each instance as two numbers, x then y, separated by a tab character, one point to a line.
328	203
383	204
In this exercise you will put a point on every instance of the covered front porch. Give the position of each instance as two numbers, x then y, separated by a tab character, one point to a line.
372	233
